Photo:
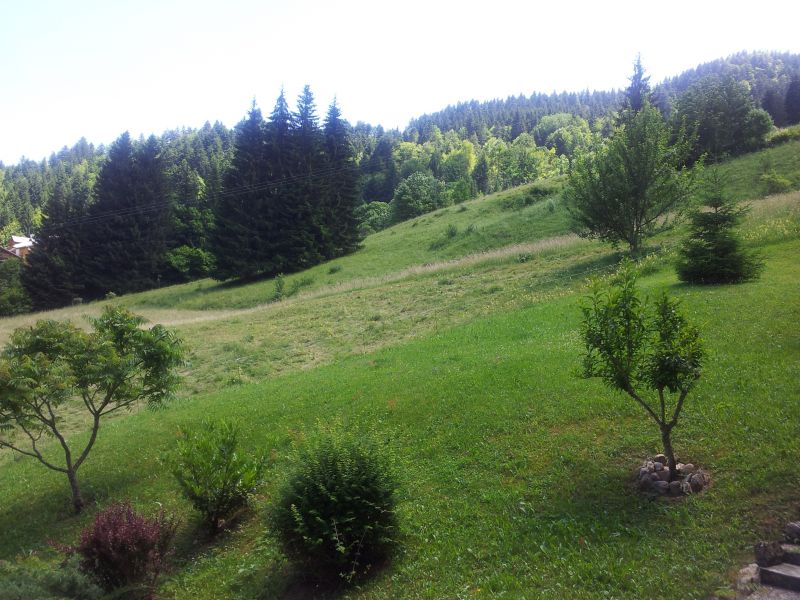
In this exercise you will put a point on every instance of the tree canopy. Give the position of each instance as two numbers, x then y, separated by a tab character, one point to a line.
53	368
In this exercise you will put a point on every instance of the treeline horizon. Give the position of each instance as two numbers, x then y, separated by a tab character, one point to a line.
198	175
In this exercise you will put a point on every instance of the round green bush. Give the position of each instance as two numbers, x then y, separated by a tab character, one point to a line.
336	510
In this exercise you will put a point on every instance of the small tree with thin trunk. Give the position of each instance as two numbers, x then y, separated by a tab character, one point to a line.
652	354
53	367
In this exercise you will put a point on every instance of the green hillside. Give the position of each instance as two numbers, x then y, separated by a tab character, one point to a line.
455	338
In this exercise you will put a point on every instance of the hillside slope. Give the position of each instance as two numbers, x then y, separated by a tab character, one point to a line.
516	473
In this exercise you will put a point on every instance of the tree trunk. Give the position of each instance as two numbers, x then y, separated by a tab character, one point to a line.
668	452
77	499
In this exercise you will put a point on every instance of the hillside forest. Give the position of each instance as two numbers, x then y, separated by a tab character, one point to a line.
280	193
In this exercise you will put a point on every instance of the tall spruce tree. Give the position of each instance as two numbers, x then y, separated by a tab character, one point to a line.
638	92
53	275
311	231
792	101
242	215
291	241
124	237
340	192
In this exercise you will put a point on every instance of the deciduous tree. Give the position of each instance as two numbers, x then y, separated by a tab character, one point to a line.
635	185
652	354
53	368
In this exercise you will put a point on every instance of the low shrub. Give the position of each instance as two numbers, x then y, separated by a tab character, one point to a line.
35	579
123	548
336	510
214	477
280	288
776	184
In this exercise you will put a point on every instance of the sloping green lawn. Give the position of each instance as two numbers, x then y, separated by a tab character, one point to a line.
517	475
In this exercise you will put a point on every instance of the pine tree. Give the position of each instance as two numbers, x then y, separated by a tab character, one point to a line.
638	92
310	227
124	238
242	215
340	193
713	253
53	275
792	101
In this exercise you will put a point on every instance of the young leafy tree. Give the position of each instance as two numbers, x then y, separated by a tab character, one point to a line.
634	186
53	368
713	253
652	354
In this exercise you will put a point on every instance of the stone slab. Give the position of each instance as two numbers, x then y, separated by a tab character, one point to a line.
784	575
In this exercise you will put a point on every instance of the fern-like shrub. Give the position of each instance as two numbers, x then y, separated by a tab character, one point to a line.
336	510
215	476
123	548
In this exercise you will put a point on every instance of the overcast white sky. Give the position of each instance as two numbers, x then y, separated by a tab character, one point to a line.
96	68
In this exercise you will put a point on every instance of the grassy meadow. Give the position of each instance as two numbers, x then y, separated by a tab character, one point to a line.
454	337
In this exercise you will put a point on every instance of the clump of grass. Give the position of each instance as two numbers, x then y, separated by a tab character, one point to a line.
334	269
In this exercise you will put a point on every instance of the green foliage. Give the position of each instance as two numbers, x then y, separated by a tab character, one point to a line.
335	513
214	474
792	101
713	253
53	367
775	183
35	580
781	136
189	263
725	116
14	299
280	288
122	548
373	216
636	349
416	195
634	186
123	240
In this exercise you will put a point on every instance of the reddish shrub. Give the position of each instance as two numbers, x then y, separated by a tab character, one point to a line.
122	548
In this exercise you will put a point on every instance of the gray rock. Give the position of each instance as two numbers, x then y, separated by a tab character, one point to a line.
643	472
662	487
650	465
768	553
686	469
675	488
658	465
654	477
663	474
660	458
696	482
747	578
792	532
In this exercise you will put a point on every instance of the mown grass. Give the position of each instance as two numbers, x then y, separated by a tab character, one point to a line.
517	474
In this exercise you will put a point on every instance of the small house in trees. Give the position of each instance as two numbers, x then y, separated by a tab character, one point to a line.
20	246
